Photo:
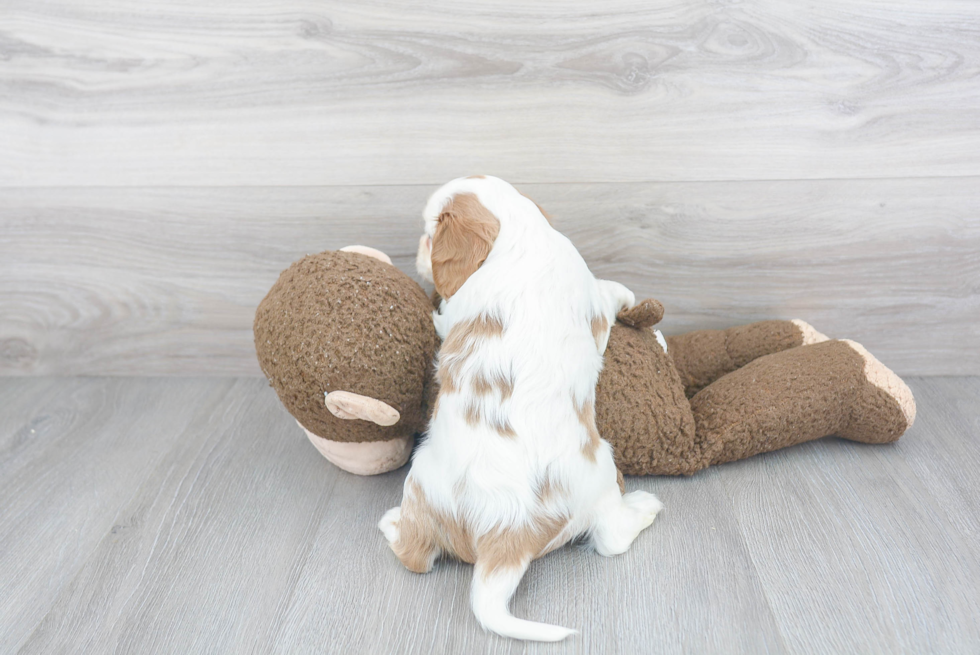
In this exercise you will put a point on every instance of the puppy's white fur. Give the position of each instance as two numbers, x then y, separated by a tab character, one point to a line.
494	489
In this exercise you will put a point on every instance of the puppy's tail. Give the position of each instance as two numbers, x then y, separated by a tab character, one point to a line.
489	596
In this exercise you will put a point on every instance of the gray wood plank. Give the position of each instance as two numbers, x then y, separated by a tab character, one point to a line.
235	536
19	400
205	555
854	552
681	578
947	462
76	460
288	92
165	281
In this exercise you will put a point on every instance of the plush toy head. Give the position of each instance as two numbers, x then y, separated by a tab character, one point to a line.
347	342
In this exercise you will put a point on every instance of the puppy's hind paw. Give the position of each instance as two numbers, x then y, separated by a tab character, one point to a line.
389	524
620	523
645	505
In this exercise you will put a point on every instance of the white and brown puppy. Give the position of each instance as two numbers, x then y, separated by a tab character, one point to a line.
512	466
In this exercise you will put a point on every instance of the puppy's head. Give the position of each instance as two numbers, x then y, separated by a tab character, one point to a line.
462	223
459	233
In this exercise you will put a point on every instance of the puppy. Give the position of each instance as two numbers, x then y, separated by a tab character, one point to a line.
512	466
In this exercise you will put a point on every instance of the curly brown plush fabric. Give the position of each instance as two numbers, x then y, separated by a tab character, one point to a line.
773	399
704	356
644	314
345	321
641	409
795	396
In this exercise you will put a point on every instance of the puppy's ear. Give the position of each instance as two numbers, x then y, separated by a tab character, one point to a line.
462	242
546	215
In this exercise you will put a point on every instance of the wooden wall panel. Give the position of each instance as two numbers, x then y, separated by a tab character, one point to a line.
296	92
158	281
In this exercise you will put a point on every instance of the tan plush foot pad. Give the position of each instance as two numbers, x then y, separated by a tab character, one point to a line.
884	379
808	334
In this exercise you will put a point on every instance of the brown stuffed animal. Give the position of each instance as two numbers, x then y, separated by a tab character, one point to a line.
716	396
347	341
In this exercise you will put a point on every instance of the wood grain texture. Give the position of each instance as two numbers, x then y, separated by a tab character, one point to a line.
886	579
68	468
221	530
166	281
295	92
209	548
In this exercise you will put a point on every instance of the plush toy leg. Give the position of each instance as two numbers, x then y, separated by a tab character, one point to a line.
704	356
830	388
364	458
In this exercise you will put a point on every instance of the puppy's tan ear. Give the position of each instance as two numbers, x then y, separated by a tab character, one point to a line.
462	242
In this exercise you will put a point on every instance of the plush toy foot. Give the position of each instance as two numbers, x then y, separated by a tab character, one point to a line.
364	458
808	334
704	356
801	394
874	418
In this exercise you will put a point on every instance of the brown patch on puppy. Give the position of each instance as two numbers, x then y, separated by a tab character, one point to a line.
474	416
586	416
487	327
548	489
425	532
483	386
460	339
513	547
460	344
456	539
599	327
502	426
462	242
416	546
447	382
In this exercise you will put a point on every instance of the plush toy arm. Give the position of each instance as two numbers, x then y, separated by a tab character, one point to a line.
644	314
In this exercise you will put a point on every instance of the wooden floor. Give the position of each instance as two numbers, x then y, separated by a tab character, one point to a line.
183	515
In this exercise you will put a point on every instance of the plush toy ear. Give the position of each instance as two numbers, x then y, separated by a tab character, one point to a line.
643	314
347	405
462	241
